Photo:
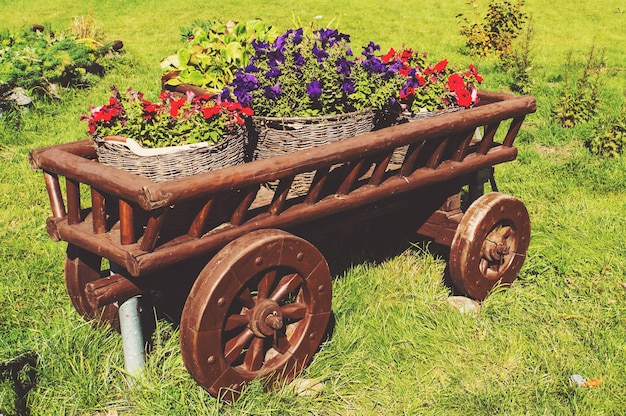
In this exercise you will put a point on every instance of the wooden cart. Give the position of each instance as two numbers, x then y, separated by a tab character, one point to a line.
261	303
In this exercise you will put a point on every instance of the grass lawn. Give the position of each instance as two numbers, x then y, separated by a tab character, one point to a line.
397	348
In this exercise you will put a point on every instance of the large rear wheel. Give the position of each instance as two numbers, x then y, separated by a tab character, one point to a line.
259	309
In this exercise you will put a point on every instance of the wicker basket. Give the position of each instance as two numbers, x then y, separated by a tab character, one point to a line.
168	163
400	152
273	136
162	164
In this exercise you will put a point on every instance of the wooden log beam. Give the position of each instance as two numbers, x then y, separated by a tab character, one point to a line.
110	289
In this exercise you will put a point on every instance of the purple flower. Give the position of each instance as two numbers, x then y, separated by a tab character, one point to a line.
320	54
260	45
273	73
251	68
373	65
348	86
297	36
330	37
272	92
370	49
314	89
344	66
298	59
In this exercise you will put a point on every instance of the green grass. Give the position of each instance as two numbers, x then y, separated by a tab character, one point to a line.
397	348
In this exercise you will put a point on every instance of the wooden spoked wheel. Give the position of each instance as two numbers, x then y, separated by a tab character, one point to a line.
490	244
82	267
259	309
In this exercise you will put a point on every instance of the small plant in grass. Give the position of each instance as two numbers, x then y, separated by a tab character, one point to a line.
579	98
495	32
611	141
518	64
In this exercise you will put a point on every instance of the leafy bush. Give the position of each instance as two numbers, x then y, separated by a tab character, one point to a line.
39	60
579	99
495	32
612	141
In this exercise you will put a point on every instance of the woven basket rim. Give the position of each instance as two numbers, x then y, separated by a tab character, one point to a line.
134	146
313	119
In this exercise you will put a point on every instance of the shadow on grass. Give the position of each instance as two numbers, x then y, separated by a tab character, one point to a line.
21	371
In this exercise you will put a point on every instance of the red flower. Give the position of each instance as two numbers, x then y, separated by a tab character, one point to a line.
463	97
455	82
209	112
440	66
176	105
389	56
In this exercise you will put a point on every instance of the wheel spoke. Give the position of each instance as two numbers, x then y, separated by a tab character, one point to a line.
266	284
255	355
235	346
281	343
287	284
293	311
235	321
246	299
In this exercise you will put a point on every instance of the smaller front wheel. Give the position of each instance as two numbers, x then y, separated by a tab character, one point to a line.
489	245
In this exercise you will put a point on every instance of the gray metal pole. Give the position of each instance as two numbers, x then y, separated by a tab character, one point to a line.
132	336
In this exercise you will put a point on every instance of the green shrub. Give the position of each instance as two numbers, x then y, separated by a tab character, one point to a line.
612	138
39	60
579	98
518	64
495	32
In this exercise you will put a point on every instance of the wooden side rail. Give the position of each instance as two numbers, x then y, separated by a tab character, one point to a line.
128	214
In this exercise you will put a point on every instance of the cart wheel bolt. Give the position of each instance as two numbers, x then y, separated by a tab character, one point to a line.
312	336
258	261
300	256
221	302
321	288
211	359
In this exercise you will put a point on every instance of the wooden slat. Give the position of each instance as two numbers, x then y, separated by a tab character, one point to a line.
351	177
513	130
153	229
464	143
380	169
127	223
98	211
73	201
241	211
487	141
410	159
54	195
435	157
317	185
199	224
280	195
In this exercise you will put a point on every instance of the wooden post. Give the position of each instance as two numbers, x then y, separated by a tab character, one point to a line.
98	211
54	194
73	201
127	223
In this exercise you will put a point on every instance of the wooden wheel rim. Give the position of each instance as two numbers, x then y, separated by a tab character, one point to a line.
229	332
82	267
489	245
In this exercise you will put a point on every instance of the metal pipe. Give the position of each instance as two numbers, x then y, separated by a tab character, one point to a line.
132	336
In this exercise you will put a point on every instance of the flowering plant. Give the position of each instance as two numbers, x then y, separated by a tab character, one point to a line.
430	87
312	74
170	121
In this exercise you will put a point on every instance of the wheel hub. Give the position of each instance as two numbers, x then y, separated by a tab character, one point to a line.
496	247
265	318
